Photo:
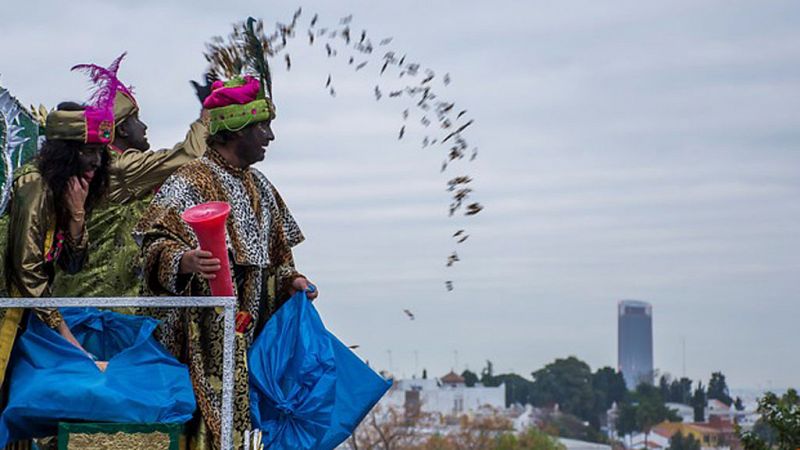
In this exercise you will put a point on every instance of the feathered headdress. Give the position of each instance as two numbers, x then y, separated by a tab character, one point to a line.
244	53
106	83
244	99
109	90
256	50
95	124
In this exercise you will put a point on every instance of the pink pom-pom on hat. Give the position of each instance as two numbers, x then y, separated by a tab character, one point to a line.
235	95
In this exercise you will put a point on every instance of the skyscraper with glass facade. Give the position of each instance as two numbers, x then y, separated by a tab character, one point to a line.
635	342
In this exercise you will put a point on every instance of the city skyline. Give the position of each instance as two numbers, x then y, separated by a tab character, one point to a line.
656	372
627	150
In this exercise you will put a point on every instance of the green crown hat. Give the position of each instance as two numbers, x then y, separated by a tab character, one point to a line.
244	99
237	103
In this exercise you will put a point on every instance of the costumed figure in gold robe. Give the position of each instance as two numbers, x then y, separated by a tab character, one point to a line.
261	233
50	200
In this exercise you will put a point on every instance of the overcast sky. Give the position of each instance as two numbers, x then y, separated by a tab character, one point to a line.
627	150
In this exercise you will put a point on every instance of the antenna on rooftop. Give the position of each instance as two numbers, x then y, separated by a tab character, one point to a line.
684	356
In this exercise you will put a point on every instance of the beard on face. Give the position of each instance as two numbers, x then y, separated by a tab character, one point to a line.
143	144
138	139
249	148
136	133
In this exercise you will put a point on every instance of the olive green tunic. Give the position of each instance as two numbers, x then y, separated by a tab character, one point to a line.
134	175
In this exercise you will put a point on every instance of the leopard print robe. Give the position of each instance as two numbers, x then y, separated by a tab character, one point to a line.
261	233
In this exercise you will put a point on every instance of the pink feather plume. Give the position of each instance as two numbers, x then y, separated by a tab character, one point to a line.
106	83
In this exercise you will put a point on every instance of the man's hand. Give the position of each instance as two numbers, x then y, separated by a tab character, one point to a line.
302	284
64	330
75	196
200	262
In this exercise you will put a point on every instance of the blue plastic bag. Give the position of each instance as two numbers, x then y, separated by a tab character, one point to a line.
51	380
307	389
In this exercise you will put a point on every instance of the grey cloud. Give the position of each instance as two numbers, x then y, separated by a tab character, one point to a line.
627	149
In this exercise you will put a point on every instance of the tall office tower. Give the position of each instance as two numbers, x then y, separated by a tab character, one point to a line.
635	342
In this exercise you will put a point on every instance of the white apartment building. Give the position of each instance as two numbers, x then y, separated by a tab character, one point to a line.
448	396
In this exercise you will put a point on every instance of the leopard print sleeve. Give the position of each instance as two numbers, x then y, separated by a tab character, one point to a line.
284	234
279	211
285	275
164	238
50	316
167	274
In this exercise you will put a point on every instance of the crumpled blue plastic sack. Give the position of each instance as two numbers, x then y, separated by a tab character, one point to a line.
51	380
307	389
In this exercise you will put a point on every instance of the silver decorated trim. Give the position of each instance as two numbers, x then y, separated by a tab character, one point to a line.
9	114
228	303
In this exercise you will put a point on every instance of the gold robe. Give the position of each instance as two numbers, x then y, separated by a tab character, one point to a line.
35	247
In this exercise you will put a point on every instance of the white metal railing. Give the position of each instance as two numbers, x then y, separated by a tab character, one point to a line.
228	303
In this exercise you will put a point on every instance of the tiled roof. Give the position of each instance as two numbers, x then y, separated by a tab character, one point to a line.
452	378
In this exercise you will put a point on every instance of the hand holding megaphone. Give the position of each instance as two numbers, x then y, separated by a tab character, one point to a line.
201	262
210	261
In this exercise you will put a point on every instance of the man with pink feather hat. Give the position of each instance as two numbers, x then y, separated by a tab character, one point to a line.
135	172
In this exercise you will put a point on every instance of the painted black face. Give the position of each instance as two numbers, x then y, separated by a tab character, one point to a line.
254	139
134	131
89	160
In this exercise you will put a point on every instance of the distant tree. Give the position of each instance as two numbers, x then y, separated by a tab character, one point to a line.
609	388
470	378
487	373
518	389
384	429
533	439
645	409
569	426
390	430
664	385
779	425
480	432
680	391
763	432
718	389
738	404
650	409
680	442
424	374
435	442
567	382
626	420
699	402
761	437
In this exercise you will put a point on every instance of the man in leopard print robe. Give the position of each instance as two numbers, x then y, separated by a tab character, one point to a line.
261	233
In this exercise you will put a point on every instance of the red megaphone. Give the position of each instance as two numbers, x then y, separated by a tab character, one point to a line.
208	222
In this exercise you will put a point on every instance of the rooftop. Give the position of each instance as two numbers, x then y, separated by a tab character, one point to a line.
453	378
